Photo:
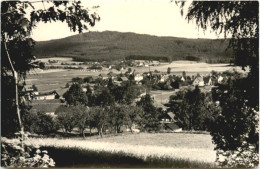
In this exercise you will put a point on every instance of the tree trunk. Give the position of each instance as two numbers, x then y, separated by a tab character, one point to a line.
16	94
101	131
83	133
90	131
17	107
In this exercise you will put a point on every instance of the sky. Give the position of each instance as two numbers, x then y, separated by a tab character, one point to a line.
153	17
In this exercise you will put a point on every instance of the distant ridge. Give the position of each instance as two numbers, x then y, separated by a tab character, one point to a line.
111	45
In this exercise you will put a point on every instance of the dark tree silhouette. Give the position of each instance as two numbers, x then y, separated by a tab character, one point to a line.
18	18
236	125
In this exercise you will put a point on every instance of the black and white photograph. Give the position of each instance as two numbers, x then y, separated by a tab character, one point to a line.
129	84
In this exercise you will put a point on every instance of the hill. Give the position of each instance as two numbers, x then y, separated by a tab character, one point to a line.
108	45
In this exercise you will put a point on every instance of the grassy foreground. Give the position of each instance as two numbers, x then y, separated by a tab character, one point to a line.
75	157
132	150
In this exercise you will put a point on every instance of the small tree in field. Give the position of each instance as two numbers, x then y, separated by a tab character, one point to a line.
100	118
44	124
81	115
116	117
66	118
132	115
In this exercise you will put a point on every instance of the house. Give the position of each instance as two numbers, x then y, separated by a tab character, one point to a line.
198	81
222	79
28	91
123	79
183	79
155	63
172	126
47	96
61	92
140	64
167	118
138	77
168	122
208	81
164	78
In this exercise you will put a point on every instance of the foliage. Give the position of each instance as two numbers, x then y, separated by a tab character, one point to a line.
77	80
126	93
34	88
192	109
67	85
235	129
75	95
148	118
150	58
40	123
100	118
13	154
168	70
82	117
42	65
66	118
18	20
117	114
104	98
236	132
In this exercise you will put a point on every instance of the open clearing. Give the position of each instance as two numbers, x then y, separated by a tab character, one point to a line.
192	147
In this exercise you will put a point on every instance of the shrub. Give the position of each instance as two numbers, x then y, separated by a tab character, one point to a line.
14	155
44	124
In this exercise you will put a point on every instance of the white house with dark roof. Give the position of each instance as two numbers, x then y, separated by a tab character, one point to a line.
208	81
198	81
138	77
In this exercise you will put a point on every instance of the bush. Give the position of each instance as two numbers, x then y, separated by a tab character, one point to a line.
43	124
14	155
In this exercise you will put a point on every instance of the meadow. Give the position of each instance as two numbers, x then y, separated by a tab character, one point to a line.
131	150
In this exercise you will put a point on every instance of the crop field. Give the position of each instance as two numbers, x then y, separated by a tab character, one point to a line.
190	67
170	147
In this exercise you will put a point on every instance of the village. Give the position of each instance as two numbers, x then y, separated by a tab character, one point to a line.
130	84
151	82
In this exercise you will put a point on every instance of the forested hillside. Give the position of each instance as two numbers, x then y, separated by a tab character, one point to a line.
99	46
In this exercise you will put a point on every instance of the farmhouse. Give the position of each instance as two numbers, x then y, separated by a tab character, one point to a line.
123	79
167	117
198	81
138	77
47	96
168	122
208	81
164	78
221	79
183	79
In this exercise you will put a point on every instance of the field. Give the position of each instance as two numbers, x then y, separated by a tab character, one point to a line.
184	148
